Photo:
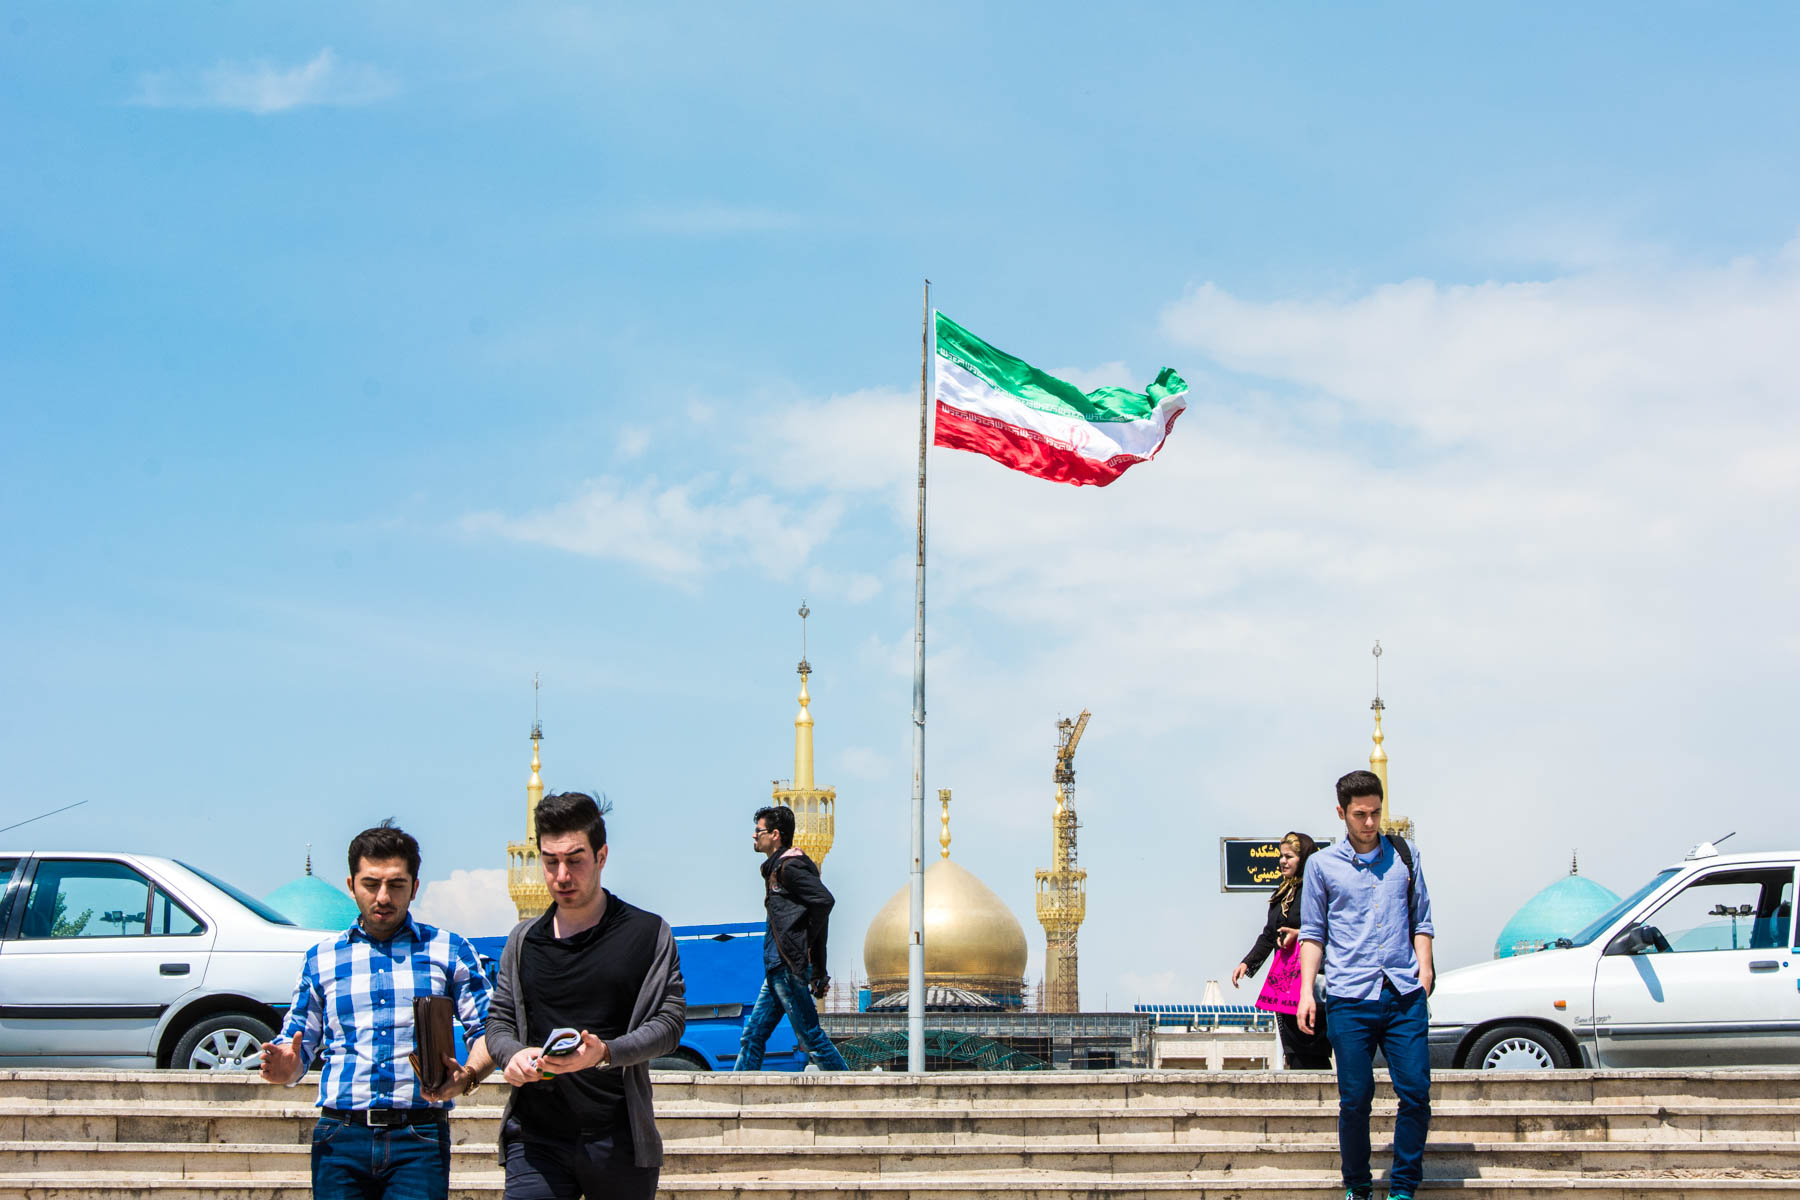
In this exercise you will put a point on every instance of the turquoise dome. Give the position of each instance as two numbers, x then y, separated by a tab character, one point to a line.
1563	909
311	903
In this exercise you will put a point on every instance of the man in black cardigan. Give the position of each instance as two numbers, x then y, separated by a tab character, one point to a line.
583	1123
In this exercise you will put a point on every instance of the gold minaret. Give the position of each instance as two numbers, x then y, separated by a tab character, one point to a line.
815	808
524	877
1062	890
1378	761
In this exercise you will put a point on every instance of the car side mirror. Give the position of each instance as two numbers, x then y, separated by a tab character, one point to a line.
1634	940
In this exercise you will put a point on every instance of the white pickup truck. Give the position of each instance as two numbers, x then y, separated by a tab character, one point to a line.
128	960
1697	968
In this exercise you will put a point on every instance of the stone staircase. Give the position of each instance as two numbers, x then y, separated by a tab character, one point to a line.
171	1135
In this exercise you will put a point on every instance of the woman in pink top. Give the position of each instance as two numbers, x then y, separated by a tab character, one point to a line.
1304	1051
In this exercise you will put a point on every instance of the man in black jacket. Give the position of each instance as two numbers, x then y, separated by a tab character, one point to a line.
799	908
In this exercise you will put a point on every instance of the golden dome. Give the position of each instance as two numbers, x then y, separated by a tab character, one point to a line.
972	940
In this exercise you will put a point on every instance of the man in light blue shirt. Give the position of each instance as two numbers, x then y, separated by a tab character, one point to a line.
1366	914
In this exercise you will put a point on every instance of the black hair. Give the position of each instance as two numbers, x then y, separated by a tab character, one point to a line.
780	818
384	843
572	812
1358	783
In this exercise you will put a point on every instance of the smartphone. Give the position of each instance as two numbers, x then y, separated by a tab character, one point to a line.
562	1042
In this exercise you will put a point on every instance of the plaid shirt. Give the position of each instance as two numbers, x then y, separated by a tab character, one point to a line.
355	995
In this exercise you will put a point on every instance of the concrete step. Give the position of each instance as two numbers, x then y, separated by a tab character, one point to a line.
1054	1089
945	1187
1076	1165
176	1135
708	1124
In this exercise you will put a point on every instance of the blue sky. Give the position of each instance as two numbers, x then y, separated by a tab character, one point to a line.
360	361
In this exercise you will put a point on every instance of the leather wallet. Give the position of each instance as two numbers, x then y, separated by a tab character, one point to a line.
433	1037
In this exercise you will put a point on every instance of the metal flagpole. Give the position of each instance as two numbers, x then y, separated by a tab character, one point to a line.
915	950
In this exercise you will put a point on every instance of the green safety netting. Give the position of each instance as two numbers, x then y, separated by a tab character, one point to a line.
980	1053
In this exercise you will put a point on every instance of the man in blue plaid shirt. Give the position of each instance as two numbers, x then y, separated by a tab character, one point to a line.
380	1132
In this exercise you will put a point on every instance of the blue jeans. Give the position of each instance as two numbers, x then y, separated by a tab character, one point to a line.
786	991
397	1162
1396	1024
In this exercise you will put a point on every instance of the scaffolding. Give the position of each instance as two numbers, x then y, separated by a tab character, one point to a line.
1062	890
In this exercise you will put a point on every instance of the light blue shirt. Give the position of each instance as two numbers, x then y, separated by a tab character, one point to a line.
1356	910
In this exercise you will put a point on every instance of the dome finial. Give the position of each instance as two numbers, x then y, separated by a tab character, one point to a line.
1378	760
1378	756
815	807
309	858
1574	864
803	722
944	837
805	612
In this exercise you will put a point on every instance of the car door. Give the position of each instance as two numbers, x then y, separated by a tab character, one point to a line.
1705	979
96	952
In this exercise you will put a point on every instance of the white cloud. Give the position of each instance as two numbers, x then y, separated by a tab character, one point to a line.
681	531
633	442
472	903
1112	374
260	87
855	587
858	442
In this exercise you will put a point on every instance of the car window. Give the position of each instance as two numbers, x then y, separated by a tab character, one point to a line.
8	868
169	919
86	898
1728	910
242	897
1605	921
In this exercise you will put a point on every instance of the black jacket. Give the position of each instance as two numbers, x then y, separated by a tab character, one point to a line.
1281	916
799	907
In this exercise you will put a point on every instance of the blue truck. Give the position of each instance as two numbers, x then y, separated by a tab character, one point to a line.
724	971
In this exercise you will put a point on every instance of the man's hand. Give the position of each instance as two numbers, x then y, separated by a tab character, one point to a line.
820	986
456	1083
1306	1010
593	1053
281	1064
523	1068
1422	943
1238	972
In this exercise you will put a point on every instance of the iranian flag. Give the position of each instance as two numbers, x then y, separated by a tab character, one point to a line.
997	405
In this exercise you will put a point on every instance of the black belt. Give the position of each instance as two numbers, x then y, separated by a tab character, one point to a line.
381	1118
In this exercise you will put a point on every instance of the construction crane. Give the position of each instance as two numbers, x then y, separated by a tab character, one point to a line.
1062	890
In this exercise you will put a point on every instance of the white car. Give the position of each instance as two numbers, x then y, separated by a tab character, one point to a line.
1697	968
124	960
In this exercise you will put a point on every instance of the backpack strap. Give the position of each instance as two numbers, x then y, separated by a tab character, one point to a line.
775	871
1405	854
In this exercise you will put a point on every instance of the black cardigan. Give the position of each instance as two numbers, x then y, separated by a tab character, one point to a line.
1280	916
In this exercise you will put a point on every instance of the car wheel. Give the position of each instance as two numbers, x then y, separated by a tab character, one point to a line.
1517	1048
227	1042
681	1060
